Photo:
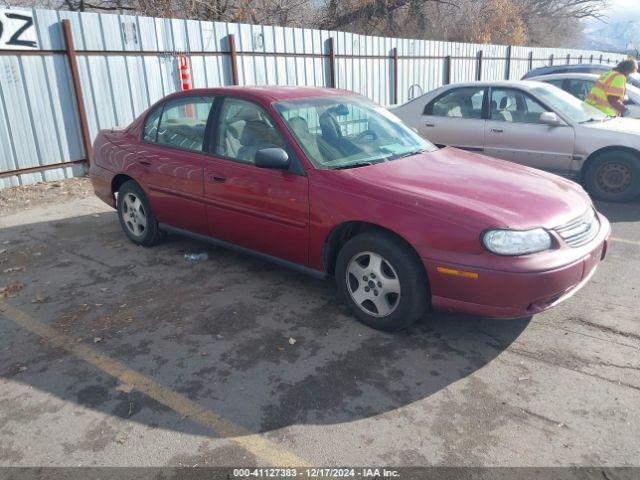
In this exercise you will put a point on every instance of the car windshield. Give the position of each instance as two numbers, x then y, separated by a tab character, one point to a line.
348	132
568	105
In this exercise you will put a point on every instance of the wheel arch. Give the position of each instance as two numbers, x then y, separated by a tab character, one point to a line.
120	180
345	231
613	148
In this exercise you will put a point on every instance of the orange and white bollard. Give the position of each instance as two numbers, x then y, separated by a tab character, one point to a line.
184	72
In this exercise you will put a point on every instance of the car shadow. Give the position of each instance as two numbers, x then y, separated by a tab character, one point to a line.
620	212
257	344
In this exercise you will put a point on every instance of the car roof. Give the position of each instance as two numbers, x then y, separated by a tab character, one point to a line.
269	93
526	84
575	66
582	75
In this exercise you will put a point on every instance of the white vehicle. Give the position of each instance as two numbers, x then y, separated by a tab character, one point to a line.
534	124
580	84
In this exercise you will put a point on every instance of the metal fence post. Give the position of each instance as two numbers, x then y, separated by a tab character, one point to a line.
551	60
530	60
591	58
332	63
479	66
233	59
447	70
580	59
77	87
600	58
507	67
568	58
394	53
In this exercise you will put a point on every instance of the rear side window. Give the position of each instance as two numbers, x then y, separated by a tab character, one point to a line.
556	83
580	88
150	131
183	122
461	103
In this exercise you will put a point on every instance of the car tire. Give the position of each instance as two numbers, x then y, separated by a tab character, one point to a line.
382	280
613	176
136	216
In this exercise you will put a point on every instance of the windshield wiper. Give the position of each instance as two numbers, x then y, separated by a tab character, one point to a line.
408	154
353	165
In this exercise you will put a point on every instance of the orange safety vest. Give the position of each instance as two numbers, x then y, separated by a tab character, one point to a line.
610	84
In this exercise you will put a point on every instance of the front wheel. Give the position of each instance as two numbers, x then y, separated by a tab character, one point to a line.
382	281
613	176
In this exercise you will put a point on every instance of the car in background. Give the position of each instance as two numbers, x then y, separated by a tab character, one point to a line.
534	124
328	183
580	84
595	68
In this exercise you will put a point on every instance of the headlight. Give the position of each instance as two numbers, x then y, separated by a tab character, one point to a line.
516	242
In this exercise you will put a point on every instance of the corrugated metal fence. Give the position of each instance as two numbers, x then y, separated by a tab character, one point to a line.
125	63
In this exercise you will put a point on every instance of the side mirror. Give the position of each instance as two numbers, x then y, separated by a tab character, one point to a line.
275	158
550	118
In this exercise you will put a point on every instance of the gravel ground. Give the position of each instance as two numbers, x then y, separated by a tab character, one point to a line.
22	198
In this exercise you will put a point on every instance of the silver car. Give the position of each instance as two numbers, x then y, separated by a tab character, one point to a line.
580	84
534	124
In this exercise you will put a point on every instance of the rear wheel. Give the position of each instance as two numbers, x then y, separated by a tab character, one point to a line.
614	176
136	216
382	281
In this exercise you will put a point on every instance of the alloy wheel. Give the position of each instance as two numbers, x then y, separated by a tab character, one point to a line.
133	214
373	284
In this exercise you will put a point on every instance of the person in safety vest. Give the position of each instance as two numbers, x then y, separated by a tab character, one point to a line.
608	94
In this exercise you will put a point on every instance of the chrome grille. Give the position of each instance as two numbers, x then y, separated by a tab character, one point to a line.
581	230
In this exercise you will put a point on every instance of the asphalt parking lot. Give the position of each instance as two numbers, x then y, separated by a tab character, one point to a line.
112	354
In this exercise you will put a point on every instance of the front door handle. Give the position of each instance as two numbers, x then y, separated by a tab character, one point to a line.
429	124
497	130
145	163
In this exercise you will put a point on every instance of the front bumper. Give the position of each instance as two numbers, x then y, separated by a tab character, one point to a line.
504	294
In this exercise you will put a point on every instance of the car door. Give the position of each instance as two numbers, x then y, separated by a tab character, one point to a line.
514	132
261	209
455	119
171	158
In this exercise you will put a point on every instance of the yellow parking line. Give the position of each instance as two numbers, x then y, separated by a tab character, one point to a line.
253	443
624	240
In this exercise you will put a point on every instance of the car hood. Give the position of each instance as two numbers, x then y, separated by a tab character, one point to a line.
473	189
621	125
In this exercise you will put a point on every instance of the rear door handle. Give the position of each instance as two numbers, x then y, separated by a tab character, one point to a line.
217	178
429	124
497	130
145	163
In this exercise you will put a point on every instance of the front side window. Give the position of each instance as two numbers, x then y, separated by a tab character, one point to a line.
344	132
183	122
244	128
514	106
461	103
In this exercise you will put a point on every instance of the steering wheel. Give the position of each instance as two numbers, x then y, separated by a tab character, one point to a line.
367	133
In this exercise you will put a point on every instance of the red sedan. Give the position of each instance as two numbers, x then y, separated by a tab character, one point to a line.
329	183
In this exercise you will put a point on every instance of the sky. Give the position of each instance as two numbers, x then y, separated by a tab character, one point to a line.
619	9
